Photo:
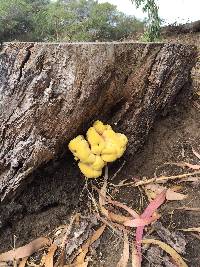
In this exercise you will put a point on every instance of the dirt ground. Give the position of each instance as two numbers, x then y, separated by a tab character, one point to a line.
58	190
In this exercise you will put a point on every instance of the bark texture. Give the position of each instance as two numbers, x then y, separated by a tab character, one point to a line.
51	92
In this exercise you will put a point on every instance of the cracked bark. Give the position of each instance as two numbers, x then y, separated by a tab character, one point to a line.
51	92
25	60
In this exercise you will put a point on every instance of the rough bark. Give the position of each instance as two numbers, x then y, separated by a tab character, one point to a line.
51	92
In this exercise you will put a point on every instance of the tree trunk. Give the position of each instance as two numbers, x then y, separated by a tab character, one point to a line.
49	93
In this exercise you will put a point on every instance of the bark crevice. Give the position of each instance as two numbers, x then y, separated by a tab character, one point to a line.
25	60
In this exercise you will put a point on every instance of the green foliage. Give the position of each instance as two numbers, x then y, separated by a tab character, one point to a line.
153	23
64	20
14	17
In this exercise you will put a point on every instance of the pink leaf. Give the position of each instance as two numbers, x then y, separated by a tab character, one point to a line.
139	235
140	222
154	205
148	212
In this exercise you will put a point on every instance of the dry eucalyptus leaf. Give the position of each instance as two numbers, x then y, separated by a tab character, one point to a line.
135	256
191	166
170	194
123	262
80	259
174	238
23	262
3	264
49	257
172	252
196	153
25	251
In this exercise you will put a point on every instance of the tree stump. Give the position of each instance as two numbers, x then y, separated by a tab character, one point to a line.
51	92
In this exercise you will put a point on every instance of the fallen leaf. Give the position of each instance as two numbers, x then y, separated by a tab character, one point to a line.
191	166
154	205
26	250
196	153
170	194
109	214
111	224
176	188
67	230
117	217
80	259
23	262
103	199
49	257
148	212
84	264
138	238
133	213
172	252
123	262
174	239
135	256
140	221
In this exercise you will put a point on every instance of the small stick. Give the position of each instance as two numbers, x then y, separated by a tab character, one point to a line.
67	230
116	173
187	208
159	179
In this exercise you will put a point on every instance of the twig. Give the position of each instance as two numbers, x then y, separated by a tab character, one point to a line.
103	190
187	208
92	199
110	224
158	179
14	245
116	173
67	231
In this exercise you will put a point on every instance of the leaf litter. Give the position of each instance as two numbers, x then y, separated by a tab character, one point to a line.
72	244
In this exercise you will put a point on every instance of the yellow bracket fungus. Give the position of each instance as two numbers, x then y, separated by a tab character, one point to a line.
103	145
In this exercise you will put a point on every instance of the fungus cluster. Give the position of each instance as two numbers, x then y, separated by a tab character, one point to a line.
103	145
